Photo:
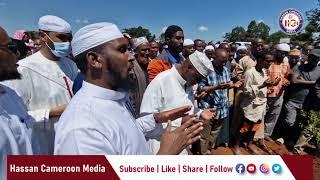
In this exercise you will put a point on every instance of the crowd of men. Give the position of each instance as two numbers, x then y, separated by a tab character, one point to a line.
99	91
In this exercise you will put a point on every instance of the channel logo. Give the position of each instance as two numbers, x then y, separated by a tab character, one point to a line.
276	168
240	168
251	168
264	168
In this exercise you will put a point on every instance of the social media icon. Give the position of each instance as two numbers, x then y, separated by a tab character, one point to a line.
264	168
276	168
251	168
240	168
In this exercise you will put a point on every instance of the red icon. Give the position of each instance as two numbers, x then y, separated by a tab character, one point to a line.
251	168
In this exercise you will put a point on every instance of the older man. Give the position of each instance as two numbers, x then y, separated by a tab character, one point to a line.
278	72
214	94
209	51
47	78
15	123
172	89
139	73
98	120
170	56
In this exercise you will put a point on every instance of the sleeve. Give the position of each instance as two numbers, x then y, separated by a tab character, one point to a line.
249	88
202	84
151	103
84	142
23	89
146	123
154	68
152	99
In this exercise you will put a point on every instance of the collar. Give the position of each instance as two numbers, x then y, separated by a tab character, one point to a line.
178	77
103	93
171	58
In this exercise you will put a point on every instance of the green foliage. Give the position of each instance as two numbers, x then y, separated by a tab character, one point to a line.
237	34
254	30
313	120
136	32
275	37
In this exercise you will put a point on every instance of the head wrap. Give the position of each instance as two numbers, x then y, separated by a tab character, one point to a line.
295	52
202	63
19	34
54	24
138	41
209	47
283	47
241	47
188	42
94	35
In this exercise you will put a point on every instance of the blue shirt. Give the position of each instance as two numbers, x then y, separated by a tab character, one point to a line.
219	98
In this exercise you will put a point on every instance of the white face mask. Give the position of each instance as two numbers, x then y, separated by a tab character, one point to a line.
61	49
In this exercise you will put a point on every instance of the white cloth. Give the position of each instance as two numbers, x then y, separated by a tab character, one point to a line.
138	41
209	47
241	47
54	24
188	42
97	122
255	101
202	63
283	47
167	91
94	35
15	128
44	85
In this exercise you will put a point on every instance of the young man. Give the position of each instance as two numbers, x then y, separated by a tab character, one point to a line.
254	103
188	48
170	56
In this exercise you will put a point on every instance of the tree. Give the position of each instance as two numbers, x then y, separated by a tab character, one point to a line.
260	30
313	17
139	32
237	34
275	37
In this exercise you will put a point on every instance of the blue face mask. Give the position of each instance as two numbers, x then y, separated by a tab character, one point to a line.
61	49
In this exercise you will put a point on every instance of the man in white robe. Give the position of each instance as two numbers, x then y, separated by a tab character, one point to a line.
98	119
15	123
47	78
172	89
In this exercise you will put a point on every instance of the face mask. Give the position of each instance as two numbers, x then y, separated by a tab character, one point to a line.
61	49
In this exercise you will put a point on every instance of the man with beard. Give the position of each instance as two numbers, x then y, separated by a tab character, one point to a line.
170	56
172	89
300	94
154	49
97	120
47	78
15	123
